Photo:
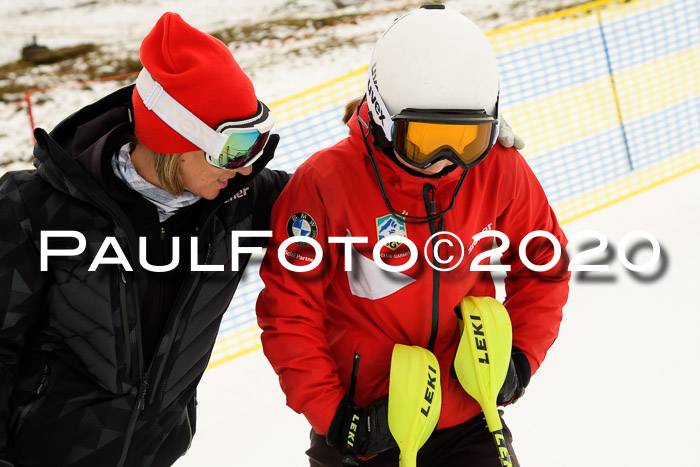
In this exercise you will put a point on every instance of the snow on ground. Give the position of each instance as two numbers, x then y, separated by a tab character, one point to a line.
277	69
59	23
617	388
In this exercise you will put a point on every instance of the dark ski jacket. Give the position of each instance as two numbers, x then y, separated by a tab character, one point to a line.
80	382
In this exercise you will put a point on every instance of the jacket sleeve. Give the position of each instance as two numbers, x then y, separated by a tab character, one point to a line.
23	289
291	308
534	299
268	186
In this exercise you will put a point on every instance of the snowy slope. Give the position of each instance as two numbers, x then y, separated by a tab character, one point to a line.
617	388
277	69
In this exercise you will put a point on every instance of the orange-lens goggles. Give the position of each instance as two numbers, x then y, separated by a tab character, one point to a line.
463	139
423	143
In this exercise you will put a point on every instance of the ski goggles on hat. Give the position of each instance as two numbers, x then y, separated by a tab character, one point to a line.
244	142
234	145
423	137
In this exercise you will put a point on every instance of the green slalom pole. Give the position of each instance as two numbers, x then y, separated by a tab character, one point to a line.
415	399
482	360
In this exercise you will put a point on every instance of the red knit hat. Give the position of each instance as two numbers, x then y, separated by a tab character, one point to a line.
198	71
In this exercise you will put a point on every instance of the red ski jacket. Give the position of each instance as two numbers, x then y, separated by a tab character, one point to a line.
315	322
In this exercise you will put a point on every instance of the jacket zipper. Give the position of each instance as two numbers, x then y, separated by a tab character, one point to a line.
145	383
173	332
125	321
347	459
140	405
44	379
353	377
176	322
431	209
38	391
122	296
189	427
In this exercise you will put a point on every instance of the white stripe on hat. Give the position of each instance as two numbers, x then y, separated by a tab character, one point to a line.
176	116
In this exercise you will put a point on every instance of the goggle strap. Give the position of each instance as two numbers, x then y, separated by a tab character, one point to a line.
376	104
157	100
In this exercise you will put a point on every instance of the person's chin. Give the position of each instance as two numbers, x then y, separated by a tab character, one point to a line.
209	193
430	171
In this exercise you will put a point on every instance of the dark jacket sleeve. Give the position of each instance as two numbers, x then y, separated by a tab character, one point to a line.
23	288
267	188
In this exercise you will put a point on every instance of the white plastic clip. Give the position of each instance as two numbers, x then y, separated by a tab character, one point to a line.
149	89
153	96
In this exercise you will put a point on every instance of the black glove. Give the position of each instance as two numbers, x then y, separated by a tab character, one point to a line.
342	434
374	428
356	432
517	378
270	147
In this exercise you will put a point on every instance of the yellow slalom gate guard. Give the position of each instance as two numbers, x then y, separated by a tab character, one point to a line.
415	399
482	360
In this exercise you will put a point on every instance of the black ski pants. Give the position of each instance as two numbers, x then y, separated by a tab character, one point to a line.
467	445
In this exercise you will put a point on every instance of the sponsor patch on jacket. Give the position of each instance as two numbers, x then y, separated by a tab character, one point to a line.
485	229
241	193
390	226
301	224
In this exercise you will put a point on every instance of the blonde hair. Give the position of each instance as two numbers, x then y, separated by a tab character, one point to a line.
167	168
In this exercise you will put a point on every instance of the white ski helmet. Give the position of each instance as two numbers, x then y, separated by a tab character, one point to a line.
431	58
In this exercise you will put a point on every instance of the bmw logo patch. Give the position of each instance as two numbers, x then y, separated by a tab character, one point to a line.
301	224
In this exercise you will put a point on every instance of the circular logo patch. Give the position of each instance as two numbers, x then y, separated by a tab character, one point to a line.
301	224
